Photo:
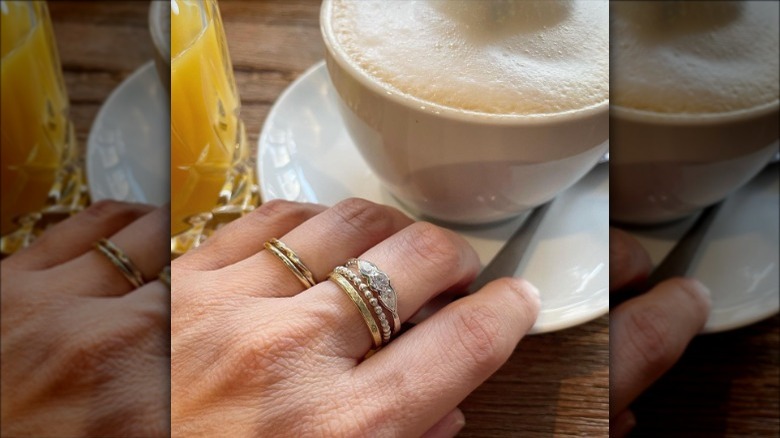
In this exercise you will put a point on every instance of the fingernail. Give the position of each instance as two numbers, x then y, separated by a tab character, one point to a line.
704	290
449	426
701	289
531	288
458	423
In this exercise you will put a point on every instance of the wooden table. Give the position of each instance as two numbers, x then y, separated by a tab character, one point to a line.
726	385
555	384
100	44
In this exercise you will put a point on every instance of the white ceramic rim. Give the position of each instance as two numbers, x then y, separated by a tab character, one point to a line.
92	141
412	103
704	119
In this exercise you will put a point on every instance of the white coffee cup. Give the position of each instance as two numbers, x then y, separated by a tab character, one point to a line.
664	167
694	104
458	166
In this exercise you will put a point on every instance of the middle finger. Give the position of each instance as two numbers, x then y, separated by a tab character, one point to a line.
145	242
422	260
344	231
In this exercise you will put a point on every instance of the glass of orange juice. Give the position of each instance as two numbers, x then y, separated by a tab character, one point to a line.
212	179
42	178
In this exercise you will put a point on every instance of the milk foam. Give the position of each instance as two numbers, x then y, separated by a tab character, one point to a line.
498	57
694	57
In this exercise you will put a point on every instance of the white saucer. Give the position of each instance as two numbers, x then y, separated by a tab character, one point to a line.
305	154
128	150
738	260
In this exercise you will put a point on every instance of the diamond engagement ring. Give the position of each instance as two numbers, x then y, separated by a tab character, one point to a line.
370	290
379	283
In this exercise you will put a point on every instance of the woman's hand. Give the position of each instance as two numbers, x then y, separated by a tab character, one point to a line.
83	352
649	333
254	354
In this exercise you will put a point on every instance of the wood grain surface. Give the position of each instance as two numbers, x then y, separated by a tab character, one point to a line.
726	385
100	43
555	384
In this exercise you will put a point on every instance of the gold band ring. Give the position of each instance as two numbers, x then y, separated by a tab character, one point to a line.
370	299
165	276
119	259
292	261
347	287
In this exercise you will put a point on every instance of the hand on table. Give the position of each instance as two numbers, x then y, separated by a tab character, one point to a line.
255	353
649	333
84	353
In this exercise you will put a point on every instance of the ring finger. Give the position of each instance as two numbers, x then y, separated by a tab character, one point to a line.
422	260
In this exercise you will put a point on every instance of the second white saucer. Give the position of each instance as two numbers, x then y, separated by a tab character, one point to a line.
128	149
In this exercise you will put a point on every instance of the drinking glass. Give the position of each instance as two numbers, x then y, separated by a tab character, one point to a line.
212	178
40	165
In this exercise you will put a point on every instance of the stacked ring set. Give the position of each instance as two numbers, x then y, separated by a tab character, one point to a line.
366	285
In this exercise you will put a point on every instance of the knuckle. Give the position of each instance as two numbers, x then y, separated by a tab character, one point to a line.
434	244
363	216
481	338
651	337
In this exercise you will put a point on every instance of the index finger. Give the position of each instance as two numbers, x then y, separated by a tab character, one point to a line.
649	333
427	371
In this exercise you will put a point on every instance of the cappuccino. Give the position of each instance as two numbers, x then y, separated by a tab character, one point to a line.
694	57
694	104
501	57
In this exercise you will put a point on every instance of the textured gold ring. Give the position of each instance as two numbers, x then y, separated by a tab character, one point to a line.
350	290
292	261
370	299
120	259
165	276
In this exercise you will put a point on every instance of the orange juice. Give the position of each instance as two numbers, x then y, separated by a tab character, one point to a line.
208	143
36	136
